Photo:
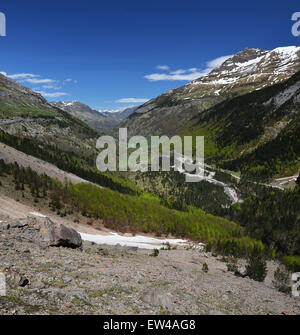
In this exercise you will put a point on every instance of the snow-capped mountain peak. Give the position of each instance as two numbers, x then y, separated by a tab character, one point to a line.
254	65
247	71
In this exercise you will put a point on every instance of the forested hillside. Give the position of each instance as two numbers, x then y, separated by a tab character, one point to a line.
257	133
123	212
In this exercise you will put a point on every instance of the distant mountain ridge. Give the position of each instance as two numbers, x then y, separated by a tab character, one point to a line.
93	118
103	121
120	114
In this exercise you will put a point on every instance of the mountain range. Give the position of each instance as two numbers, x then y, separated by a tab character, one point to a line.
120	114
246	206
247	110
245	72
103	121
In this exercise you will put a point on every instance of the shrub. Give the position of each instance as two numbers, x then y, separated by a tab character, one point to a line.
155	253
292	263
205	267
282	277
237	247
167	246
232	266
256	268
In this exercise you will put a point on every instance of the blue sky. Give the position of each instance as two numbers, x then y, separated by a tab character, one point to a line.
112	54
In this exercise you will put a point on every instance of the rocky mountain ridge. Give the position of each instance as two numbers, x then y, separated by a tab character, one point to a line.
120	114
245	72
30	124
103	121
25	114
257	133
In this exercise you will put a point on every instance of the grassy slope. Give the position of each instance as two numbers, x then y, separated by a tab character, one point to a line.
145	213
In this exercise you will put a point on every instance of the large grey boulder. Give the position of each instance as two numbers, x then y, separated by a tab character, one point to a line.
58	235
44	232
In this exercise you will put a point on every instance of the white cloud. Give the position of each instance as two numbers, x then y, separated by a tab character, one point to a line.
165	76
49	84
70	80
189	74
51	87
52	95
217	61
179	72
133	100
17	76
39	81
35	79
22	76
162	67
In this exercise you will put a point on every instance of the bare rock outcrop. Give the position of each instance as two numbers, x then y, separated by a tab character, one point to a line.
43	231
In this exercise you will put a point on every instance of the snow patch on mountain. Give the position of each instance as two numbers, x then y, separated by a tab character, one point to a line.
139	241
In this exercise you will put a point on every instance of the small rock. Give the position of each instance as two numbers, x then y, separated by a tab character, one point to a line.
67	279
133	249
4	226
103	252
195	260
79	294
157	297
14	279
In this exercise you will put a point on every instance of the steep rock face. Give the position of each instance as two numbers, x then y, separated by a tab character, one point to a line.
245	72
